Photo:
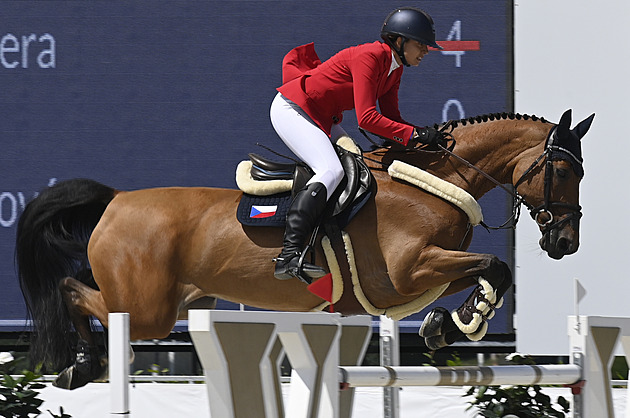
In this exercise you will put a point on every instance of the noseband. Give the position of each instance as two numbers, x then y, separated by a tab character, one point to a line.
543	214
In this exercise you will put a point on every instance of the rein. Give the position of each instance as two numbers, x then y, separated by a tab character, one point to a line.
535	211
518	199
545	222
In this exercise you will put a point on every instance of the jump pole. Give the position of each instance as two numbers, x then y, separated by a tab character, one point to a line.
118	364
401	376
592	343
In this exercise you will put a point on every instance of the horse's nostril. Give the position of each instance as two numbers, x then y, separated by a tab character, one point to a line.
563	245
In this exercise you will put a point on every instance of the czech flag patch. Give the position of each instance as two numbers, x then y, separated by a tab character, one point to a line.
258	211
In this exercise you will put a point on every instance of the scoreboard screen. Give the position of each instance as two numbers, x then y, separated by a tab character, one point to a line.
138	94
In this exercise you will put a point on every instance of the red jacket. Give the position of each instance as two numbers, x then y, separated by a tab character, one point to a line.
354	78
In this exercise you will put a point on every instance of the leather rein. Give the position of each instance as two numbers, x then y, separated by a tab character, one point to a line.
541	214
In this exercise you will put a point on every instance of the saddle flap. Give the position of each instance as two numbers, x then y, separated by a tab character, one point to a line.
301	176
356	183
349	183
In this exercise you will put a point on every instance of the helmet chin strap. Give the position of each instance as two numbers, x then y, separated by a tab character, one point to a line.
400	51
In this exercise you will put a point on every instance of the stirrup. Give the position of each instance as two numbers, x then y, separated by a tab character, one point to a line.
296	267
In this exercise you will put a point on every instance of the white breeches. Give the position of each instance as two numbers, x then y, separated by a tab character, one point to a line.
308	142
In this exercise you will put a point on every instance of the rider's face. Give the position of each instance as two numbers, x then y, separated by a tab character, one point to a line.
414	51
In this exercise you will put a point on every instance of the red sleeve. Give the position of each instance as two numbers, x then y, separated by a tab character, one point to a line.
367	73
388	103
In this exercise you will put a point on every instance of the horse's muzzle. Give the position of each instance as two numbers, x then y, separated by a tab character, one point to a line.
558	242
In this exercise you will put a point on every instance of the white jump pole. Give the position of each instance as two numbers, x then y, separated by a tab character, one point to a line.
379	376
118	364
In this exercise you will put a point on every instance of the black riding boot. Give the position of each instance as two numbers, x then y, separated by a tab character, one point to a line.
302	217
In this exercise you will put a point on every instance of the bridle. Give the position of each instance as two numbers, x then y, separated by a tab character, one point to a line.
553	151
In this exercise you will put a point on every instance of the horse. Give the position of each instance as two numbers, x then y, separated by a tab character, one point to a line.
84	249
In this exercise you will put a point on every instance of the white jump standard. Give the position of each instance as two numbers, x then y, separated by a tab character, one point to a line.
241	352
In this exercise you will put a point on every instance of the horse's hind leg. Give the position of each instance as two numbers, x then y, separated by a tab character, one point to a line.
81	302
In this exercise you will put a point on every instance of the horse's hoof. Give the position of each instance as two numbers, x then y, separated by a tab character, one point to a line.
443	340
437	322
435	343
102	375
70	379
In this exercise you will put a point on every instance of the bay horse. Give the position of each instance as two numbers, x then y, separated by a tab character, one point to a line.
84	249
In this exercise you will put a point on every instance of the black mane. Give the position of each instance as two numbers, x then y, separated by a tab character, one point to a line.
491	117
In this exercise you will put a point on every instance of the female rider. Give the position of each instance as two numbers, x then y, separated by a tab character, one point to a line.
308	108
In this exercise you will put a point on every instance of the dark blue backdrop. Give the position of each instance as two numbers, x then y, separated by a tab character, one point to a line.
141	94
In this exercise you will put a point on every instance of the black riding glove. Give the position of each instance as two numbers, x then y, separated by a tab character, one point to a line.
428	136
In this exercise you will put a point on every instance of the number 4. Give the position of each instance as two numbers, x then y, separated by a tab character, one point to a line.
455	35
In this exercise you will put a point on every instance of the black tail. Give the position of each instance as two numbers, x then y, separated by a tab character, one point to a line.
52	237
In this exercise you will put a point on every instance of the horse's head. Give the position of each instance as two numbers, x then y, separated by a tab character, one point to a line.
549	186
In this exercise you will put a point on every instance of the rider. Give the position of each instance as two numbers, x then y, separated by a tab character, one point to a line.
308	108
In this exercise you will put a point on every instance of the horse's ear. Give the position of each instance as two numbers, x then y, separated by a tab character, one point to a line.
582	128
565	121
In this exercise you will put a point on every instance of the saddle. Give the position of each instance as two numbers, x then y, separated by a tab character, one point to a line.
269	187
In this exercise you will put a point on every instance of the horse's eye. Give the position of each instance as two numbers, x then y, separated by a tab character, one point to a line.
562	172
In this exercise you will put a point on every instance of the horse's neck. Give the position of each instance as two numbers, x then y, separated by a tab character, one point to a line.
495	147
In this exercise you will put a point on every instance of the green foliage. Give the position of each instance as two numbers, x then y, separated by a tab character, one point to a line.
157	369
19	395
455	359
430	357
522	401
154	369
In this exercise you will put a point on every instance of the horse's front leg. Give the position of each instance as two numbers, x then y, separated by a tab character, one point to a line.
437	266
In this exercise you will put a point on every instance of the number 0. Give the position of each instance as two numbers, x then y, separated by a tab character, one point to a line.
447	106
